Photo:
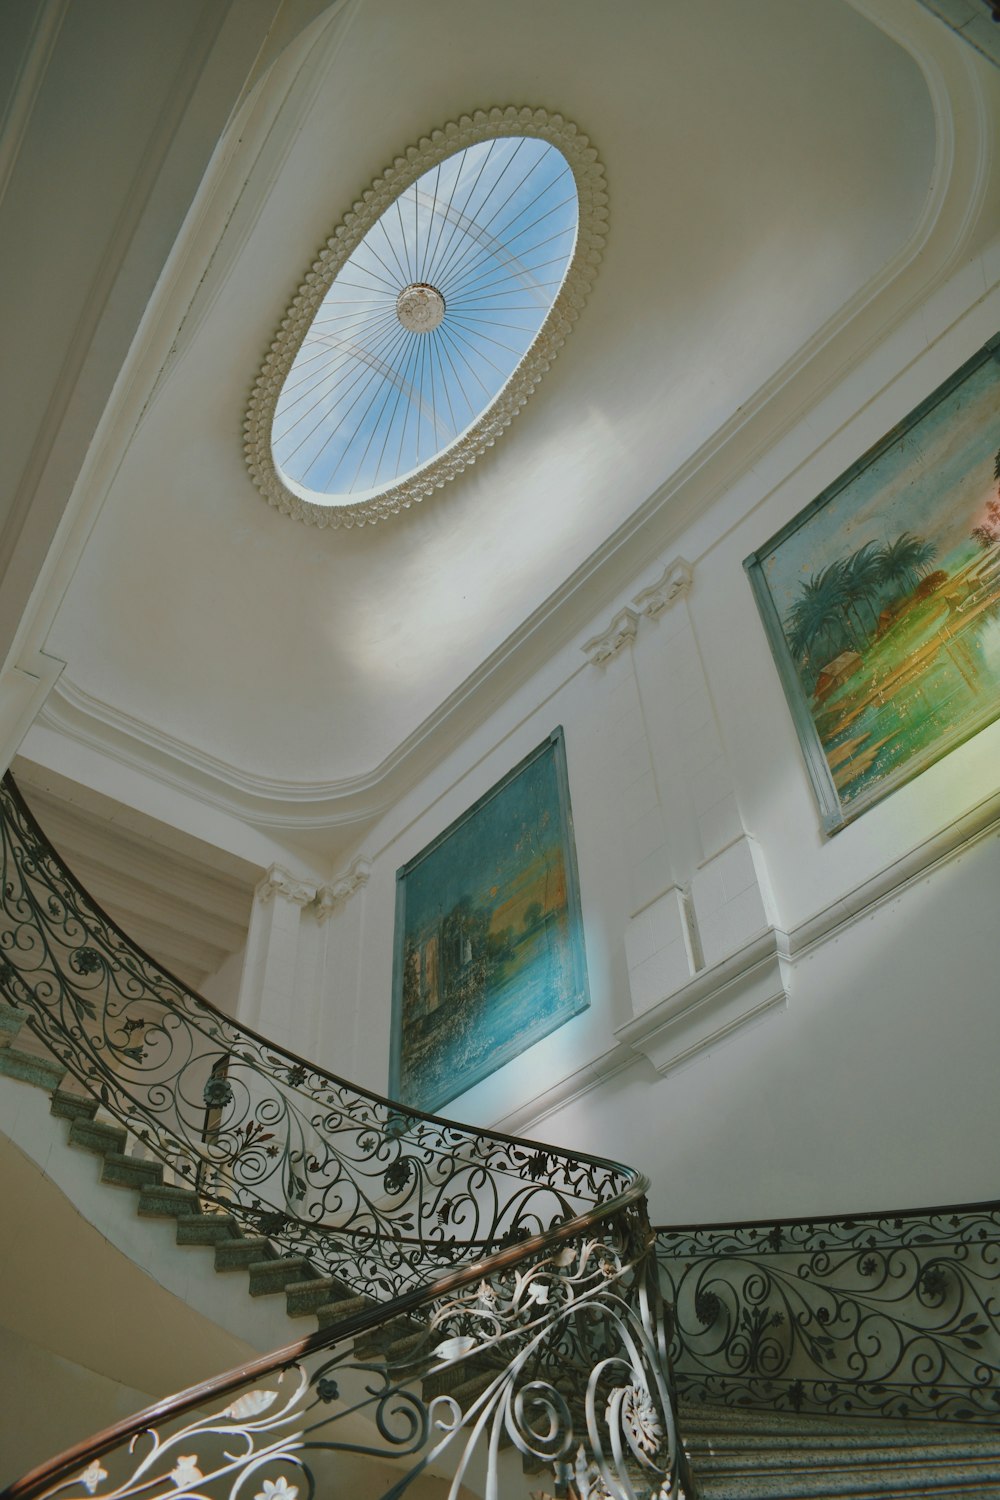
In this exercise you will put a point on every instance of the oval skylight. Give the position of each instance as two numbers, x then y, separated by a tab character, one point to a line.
429	317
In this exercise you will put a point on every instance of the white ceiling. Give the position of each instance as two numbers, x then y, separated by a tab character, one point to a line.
765	162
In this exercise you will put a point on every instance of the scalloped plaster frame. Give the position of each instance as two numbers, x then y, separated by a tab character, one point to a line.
468	130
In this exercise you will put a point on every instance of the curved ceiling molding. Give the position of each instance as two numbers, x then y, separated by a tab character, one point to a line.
272	478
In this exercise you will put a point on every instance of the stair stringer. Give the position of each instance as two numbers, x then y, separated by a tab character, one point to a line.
187	1273
239	1307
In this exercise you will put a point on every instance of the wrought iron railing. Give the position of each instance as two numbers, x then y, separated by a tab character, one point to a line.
513	1282
891	1314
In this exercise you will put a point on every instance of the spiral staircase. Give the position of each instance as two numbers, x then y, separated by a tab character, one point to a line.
491	1317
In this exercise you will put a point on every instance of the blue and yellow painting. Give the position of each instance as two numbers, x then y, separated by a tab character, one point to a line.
882	599
489	941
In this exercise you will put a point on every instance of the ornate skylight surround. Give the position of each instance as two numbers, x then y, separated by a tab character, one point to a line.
483	125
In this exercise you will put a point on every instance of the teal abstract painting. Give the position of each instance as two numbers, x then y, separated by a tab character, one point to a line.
489	953
882	598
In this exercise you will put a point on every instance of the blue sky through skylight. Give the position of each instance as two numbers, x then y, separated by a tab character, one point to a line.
367	401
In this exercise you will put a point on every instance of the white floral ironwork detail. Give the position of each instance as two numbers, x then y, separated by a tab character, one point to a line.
92	1476
186	1471
468	130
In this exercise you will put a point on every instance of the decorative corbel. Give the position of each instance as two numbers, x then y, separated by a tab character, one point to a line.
281	882
659	596
329	897
621	630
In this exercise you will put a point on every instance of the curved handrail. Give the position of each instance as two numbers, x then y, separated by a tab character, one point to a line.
377	1194
534	1261
41	1479
890	1313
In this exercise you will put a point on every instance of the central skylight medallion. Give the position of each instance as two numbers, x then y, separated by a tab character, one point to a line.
420	307
427	320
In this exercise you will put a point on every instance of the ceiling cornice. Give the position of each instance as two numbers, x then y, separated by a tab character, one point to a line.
952	213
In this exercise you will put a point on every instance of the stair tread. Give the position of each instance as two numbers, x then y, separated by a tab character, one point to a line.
130	1171
736	1453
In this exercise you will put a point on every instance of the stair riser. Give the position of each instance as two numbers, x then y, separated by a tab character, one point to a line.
336	1312
11	1022
306	1297
239	1255
67	1106
29	1069
126	1172
205	1229
737	1455
102	1140
275	1275
167	1203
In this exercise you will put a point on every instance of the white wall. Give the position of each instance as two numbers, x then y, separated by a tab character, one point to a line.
48	1403
871	1085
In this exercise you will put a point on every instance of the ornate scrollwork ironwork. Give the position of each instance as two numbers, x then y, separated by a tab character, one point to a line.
554	1363
526	1269
383	1200
889	1314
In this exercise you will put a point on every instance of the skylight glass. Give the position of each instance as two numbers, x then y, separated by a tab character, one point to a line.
427	320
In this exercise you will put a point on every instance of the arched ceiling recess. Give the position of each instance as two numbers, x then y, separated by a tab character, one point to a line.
428	317
769	202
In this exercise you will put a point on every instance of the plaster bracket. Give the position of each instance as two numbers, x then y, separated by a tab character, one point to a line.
674	584
621	630
329	897
280	882
716	1002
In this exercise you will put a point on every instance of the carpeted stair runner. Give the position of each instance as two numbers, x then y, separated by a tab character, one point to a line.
740	1455
735	1454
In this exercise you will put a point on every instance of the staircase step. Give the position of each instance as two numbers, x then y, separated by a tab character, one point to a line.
743	1454
895	1483
466	1393
42	1072
11	1021
378	1340
469	1376
305	1297
69	1106
167	1201
206	1229
414	1346
267	1276
757	1419
758	1461
99	1137
239	1255
345	1307
130	1171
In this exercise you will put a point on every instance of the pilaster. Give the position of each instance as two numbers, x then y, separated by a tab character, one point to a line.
268	984
700	898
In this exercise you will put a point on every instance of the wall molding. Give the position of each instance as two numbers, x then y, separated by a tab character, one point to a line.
49	18
720	999
919	268
712	1005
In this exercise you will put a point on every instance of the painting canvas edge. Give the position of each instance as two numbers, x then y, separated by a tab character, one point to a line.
834	814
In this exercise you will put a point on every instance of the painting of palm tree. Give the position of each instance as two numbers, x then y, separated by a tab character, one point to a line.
881	599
